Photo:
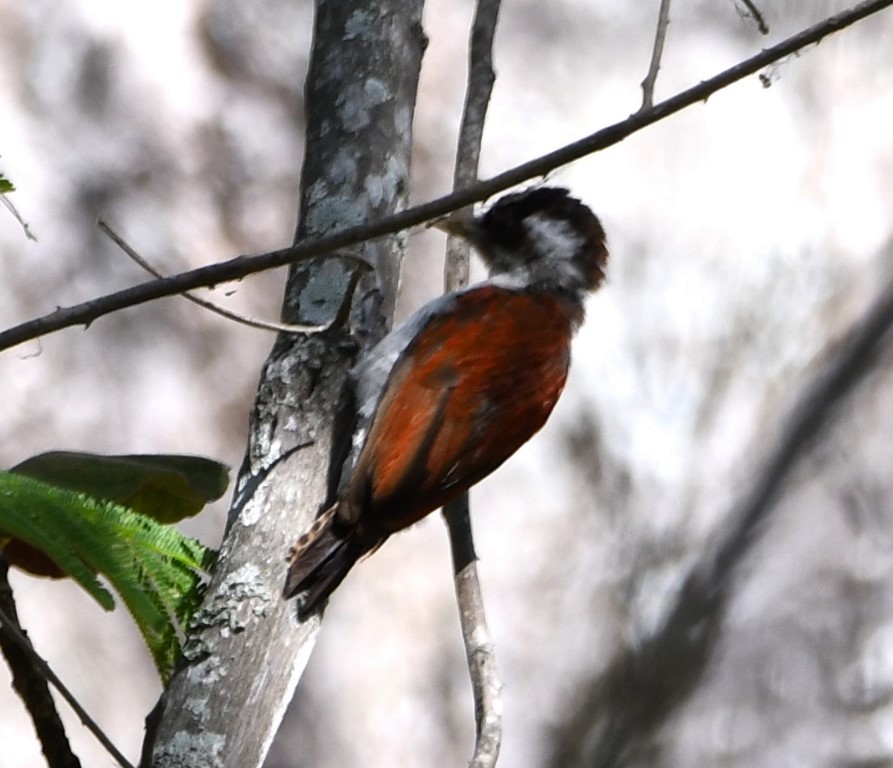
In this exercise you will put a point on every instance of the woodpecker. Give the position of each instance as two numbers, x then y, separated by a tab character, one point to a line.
447	397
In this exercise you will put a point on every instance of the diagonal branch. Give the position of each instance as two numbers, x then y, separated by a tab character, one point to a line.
30	684
237	268
645	684
31	674
853	359
479	651
8	204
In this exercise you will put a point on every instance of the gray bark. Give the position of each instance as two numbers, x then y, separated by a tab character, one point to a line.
246	652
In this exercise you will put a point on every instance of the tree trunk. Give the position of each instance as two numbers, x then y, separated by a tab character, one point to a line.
245	653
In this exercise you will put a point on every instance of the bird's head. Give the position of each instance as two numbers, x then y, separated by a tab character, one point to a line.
539	238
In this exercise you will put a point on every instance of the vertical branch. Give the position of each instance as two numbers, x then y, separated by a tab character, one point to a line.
468	152
246	651
663	22
479	649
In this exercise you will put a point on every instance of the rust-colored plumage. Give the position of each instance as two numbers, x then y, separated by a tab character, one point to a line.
467	381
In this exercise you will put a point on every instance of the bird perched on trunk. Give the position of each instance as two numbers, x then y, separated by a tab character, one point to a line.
447	397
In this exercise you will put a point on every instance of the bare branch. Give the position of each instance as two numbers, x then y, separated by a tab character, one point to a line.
852	360
241	266
645	684
477	98
479	650
30	684
27	666
474	113
18	217
251	322
756	15
663	22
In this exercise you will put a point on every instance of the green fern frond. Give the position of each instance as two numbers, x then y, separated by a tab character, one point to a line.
155	569
47	519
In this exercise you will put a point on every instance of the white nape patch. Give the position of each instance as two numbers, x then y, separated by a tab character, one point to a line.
556	245
552	238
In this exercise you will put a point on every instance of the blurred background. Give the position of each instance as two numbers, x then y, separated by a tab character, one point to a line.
747	234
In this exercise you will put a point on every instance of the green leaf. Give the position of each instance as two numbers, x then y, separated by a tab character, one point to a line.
6	185
165	488
155	569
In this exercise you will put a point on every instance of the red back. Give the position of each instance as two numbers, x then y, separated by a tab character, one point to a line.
476	382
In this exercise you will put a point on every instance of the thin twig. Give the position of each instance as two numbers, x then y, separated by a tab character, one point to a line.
663	22
229	314
645	684
30	684
756	16
239	267
16	636
479	650
18	217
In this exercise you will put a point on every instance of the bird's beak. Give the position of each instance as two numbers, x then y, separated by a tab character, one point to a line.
460	224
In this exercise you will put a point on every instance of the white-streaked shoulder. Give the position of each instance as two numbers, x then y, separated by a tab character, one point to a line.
369	377
370	374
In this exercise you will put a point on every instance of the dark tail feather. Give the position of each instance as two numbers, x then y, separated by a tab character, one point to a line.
320	560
